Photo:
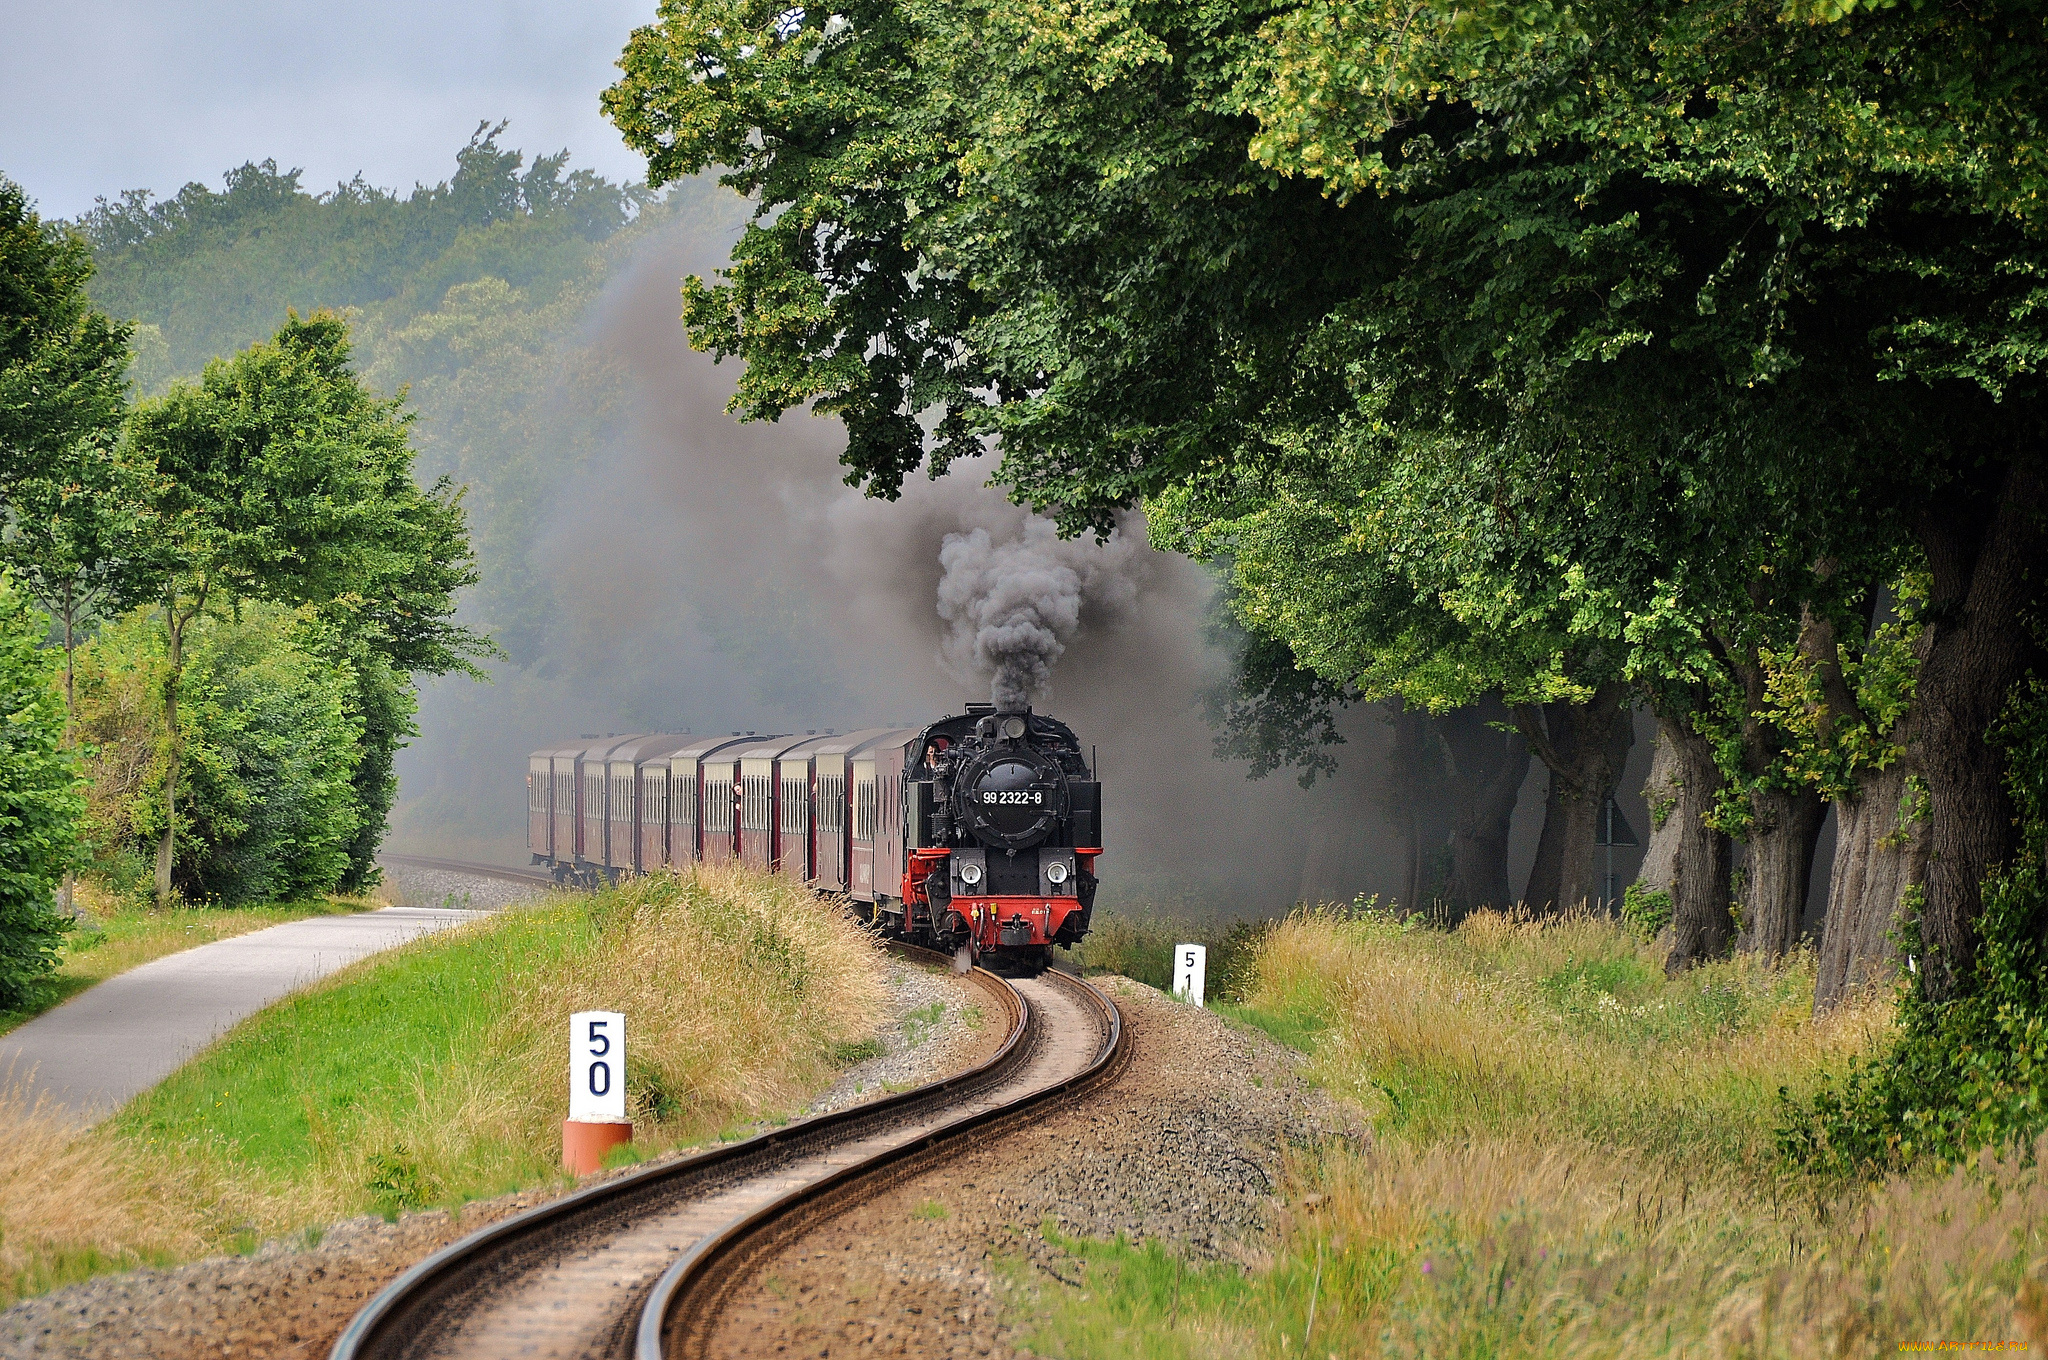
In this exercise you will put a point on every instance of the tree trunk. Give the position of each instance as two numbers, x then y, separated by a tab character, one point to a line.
1880	852
1660	790
1319	836
1784	823
1984	564
1700	923
1491	767
1585	746
1784	828
1545	887
167	847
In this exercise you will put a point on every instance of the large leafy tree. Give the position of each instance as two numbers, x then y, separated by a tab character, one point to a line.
63	395
1734	304
279	477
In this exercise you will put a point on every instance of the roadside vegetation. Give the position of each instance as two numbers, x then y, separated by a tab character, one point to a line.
435	1073
1573	1155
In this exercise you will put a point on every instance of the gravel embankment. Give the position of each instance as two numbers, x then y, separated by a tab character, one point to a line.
938	1026
291	1298
1186	1147
408	885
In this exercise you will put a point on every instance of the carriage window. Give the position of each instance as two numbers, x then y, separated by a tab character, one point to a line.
832	803
864	810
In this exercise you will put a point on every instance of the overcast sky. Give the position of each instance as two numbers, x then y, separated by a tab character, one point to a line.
97	97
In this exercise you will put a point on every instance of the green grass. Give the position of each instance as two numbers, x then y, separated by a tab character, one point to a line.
856	1051
435	1072
1144	1302
920	1024
1573	1155
318	1062
131	936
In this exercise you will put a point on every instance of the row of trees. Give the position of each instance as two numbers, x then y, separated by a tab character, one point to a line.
1578	356
274	493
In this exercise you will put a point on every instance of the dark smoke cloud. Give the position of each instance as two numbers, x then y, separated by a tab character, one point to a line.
720	575
1011	607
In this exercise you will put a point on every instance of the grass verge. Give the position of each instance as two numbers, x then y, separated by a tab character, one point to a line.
437	1072
1573	1156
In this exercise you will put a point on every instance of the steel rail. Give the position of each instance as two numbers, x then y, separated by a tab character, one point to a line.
677	1321
401	1318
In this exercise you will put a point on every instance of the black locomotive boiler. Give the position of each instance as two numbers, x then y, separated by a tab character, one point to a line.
976	834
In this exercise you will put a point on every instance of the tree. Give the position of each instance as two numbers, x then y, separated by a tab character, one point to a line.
1746	334
63	384
63	365
40	801
278	477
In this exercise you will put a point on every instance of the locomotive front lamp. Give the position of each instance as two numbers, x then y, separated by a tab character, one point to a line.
1013	728
970	873
1056	873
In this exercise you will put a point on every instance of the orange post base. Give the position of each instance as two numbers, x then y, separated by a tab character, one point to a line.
584	1145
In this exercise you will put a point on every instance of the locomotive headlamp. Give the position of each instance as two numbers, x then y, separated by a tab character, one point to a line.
1056	872
970	873
1013	728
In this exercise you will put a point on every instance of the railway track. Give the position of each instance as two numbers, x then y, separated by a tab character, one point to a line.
640	1264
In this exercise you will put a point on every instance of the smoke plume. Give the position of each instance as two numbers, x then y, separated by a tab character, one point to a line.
1011	608
721	576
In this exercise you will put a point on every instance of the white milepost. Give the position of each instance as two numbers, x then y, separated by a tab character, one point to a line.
1190	971
597	1067
597	1120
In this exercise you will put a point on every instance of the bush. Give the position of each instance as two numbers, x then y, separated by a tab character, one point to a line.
40	802
272	735
1645	910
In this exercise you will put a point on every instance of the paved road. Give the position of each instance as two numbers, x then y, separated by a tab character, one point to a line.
92	1053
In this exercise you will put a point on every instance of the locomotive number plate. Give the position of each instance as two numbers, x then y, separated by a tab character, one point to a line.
1036	796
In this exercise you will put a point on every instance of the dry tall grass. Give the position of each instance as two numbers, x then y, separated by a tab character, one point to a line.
440	1070
76	1203
1574	1158
1511	1021
736	986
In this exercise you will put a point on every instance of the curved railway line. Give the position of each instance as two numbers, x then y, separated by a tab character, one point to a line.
640	1264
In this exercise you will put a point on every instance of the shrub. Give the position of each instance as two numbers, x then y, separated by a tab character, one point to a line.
40	801
1645	910
272	743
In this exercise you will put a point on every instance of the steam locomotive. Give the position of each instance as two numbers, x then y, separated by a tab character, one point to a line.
977	834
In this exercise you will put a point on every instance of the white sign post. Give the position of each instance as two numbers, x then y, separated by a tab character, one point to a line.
1190	971
597	1120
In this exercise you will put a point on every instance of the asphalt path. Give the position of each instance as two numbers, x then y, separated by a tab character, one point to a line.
88	1056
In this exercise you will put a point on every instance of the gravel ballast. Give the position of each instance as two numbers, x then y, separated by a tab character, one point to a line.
1185	1147
412	885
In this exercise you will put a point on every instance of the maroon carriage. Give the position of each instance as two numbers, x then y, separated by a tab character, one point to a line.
761	799
627	795
876	770
550	801
593	812
831	811
688	826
